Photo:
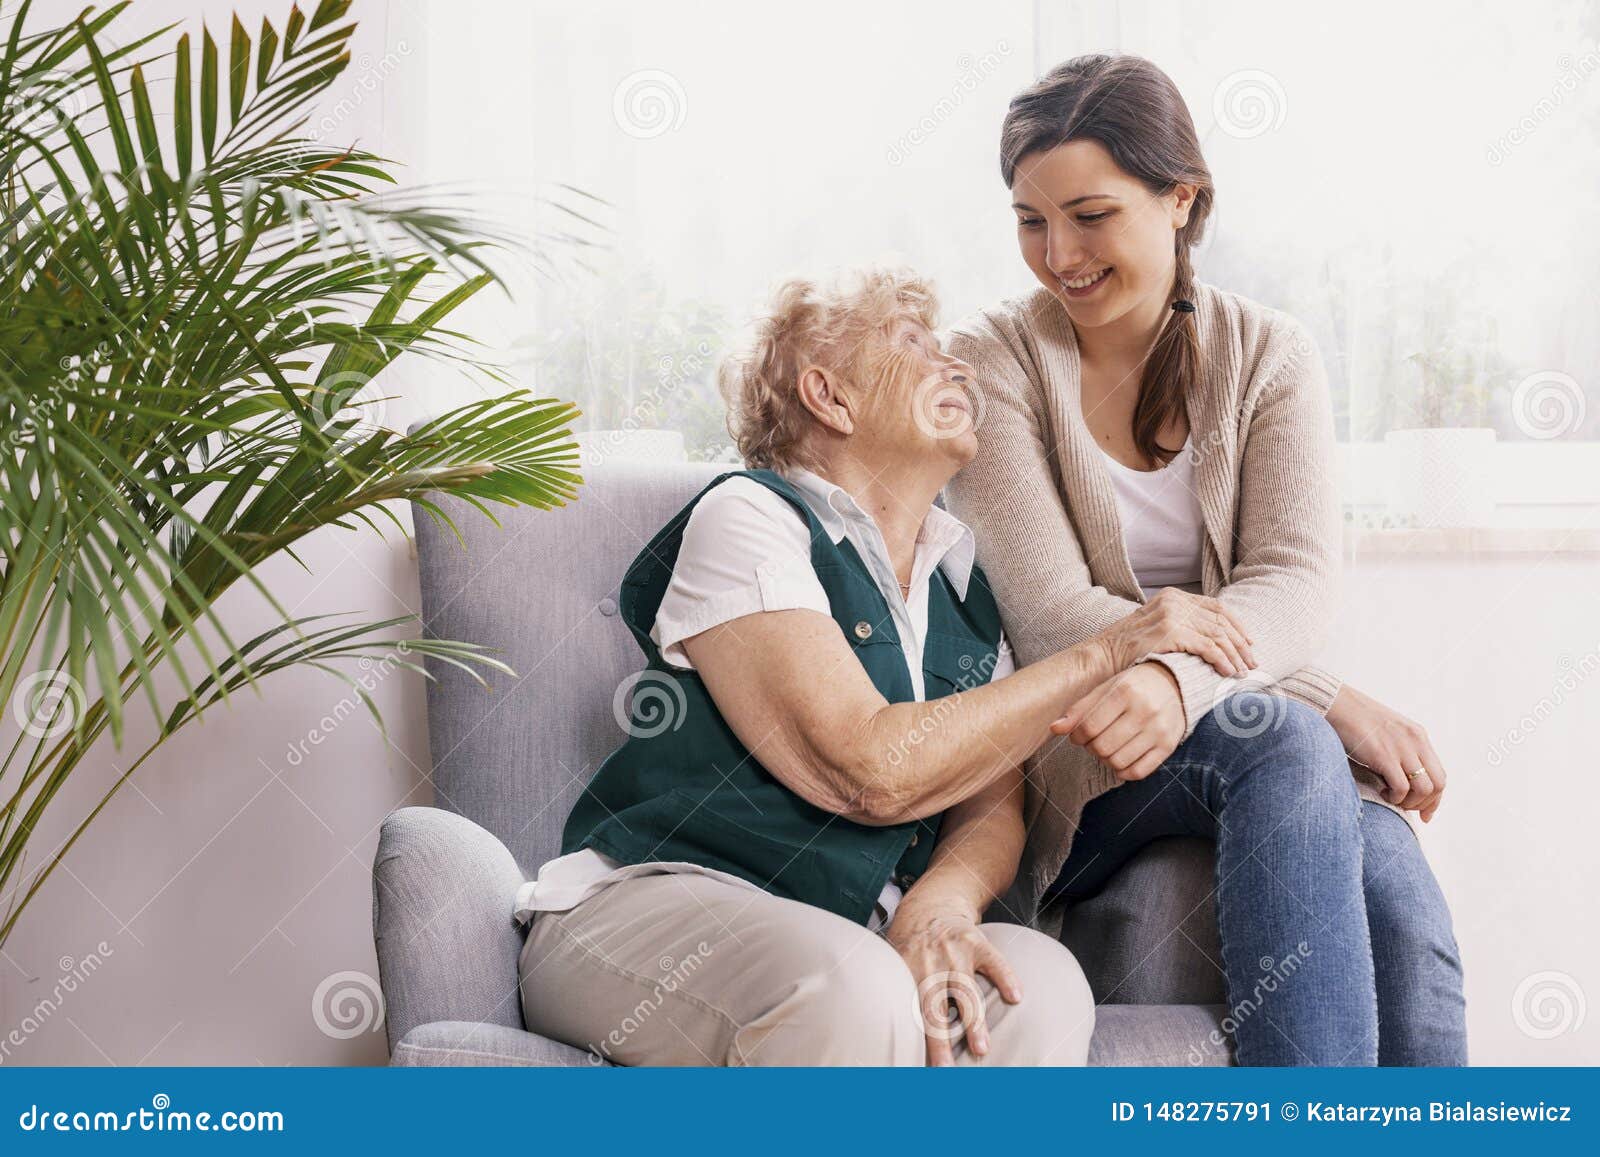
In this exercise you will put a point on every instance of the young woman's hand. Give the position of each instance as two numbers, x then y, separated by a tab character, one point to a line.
946	952
1132	721
1176	620
1393	746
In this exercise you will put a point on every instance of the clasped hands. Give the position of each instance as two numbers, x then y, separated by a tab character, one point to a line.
1134	720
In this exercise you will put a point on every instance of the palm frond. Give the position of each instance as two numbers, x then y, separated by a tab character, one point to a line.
195	303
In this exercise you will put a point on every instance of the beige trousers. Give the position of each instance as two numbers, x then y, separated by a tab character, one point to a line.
685	969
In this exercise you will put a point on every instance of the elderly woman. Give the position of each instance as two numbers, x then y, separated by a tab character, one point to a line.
788	860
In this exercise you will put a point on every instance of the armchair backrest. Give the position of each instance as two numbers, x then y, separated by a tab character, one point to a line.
542	588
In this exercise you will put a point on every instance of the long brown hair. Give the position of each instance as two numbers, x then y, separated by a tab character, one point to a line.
1135	111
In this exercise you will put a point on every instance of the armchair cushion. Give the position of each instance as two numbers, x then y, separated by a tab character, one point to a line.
1150	935
1160	1034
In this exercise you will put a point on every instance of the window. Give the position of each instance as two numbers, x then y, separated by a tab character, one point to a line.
1412	181
1416	182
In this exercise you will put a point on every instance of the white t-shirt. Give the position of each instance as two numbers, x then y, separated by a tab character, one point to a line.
1162	527
745	549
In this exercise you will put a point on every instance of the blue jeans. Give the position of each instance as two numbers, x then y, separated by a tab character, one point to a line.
1337	945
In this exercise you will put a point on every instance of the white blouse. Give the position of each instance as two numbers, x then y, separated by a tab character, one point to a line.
745	549
1162	527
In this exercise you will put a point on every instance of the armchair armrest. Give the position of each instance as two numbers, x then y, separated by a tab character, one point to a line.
442	895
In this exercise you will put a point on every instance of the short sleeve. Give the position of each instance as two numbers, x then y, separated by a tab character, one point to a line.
745	549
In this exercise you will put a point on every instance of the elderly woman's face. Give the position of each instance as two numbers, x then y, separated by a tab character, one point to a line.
922	401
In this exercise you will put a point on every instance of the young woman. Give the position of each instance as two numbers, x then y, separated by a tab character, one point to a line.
820	793
1143	431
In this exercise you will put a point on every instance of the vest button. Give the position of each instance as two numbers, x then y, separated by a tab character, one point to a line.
863	630
913	842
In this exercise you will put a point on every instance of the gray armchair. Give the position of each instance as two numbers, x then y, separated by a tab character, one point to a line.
508	763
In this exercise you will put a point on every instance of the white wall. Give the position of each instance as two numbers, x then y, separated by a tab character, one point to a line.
232	877
233	880
1500	659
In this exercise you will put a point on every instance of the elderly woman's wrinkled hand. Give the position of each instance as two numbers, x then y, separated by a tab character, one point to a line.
946	952
1175	620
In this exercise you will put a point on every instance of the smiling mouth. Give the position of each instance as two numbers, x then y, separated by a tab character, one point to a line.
1080	283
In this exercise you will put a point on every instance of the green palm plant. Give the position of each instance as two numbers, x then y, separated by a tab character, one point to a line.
187	311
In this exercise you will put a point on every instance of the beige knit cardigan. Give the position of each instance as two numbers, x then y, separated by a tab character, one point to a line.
1041	505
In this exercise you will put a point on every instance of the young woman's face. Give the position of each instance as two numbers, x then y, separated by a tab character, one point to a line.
1094	236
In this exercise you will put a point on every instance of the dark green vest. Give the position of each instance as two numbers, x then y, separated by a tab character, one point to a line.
682	786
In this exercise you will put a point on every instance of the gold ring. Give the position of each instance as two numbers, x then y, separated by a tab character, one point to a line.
1418	774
